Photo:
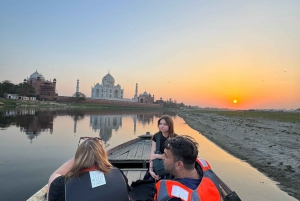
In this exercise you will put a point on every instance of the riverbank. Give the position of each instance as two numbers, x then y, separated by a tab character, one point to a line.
75	105
269	141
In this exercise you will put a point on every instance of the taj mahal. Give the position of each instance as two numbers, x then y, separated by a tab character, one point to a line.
109	91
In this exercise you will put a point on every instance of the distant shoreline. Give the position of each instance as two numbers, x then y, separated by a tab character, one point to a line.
71	105
272	146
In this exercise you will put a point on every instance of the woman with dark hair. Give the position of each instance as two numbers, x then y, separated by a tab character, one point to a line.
166	130
88	176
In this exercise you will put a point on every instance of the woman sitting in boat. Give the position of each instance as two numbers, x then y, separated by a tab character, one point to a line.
166	130
88	176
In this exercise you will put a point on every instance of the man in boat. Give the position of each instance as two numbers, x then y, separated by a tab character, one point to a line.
193	178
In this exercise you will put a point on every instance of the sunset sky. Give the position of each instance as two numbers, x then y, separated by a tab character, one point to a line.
205	53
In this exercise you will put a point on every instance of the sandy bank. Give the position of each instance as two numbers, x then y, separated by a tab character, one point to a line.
273	147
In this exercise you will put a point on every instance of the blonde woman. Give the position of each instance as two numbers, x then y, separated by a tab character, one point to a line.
88	176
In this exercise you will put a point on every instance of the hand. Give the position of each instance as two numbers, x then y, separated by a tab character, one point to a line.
152	157
156	177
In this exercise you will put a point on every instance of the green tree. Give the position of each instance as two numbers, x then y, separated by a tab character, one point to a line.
181	104
7	87
79	96
25	89
172	104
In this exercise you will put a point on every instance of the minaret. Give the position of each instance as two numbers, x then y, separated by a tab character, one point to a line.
136	92
77	87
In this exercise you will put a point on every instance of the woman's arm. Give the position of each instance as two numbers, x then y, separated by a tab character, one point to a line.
152	153
153	147
62	170
151	158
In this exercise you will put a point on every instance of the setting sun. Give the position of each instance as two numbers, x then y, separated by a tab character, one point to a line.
234	101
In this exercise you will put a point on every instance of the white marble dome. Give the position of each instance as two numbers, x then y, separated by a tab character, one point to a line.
109	79
35	75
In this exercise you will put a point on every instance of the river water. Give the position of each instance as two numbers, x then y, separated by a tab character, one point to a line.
35	142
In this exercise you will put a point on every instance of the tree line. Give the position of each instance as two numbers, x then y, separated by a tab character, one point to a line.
22	89
173	104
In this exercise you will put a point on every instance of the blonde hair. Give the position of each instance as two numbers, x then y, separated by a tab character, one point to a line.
90	153
169	122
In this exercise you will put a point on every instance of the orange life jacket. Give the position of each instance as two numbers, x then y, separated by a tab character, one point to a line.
208	189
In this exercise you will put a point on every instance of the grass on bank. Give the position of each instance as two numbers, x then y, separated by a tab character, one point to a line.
74	105
10	103
82	105
282	116
7	102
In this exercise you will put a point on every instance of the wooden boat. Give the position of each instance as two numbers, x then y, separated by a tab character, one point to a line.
132	158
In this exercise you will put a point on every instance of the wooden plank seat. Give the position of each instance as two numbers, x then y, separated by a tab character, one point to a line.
129	163
139	150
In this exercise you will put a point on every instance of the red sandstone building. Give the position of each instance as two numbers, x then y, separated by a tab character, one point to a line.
146	98
45	90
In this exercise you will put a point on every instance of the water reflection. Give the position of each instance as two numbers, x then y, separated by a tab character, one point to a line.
57	133
30	122
104	124
33	122
145	118
77	117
